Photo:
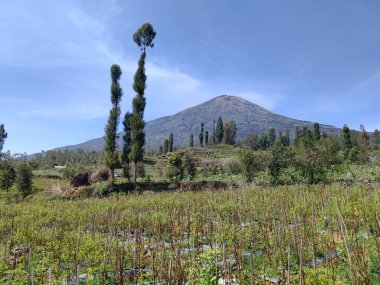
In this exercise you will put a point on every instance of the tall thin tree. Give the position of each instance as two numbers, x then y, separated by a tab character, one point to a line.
201	135
143	38
110	149
3	136
127	145
171	142
219	130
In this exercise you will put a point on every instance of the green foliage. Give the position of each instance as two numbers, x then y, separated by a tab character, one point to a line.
144	36
166	145
111	154
252	163
7	175
219	130
24	177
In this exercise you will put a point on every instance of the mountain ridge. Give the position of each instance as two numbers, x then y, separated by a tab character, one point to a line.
249	118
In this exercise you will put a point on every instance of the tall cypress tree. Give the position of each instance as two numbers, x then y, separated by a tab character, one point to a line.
206	138
272	136
219	131
127	145
213	132
317	132
3	136
171	142
347	144
110	150
143	38
191	143
201	135
166	146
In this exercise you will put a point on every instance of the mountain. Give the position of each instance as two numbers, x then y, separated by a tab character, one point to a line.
249	117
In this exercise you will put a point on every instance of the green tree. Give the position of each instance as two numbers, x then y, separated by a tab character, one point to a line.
279	159
317	132
201	135
171	142
111	154
252	162
347	143
230	132
127	145
314	157
191	143
219	130
24	177
143	37
3	136
206	138
189	166
176	166
7	176
272	136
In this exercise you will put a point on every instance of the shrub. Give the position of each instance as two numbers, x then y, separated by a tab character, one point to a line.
24	177
252	163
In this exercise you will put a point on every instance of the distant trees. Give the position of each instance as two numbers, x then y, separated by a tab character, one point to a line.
3	136
229	132
219	130
201	135
206	138
279	158
110	149
191	140
143	37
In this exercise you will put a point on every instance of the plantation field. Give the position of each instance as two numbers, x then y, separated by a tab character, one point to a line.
263	235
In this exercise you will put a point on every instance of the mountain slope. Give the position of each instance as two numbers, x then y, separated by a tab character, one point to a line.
249	117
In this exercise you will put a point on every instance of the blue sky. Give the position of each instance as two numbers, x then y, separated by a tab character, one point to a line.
310	60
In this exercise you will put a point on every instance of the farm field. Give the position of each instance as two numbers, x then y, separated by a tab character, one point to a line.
263	235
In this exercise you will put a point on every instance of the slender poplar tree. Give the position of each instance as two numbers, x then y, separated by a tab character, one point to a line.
127	145
201	135
317	132
219	130
191	140
143	38
110	149
206	138
171	142
3	136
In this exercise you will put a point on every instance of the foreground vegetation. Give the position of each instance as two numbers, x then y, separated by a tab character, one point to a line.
301	235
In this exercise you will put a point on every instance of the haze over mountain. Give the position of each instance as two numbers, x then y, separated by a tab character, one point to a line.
249	117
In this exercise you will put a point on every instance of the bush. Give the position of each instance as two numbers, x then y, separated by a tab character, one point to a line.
252	162
24	177
7	176
175	168
101	175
